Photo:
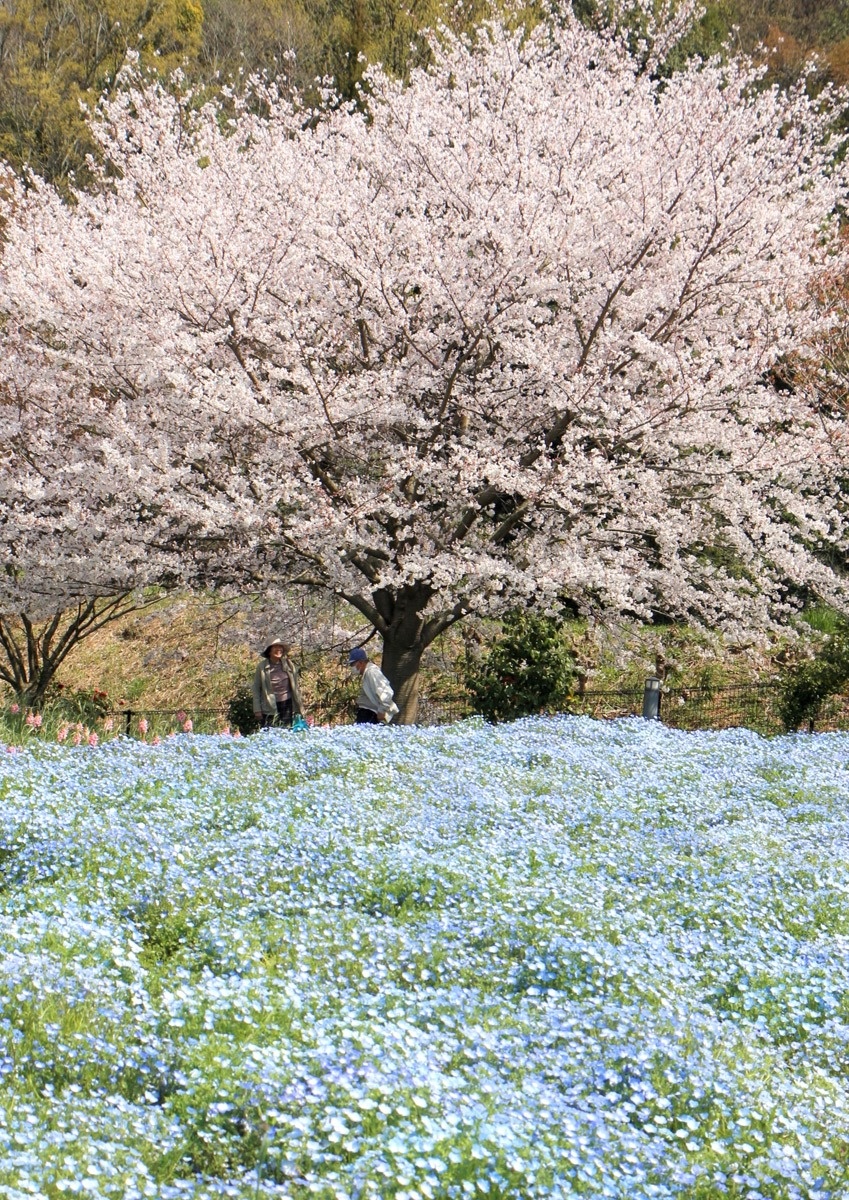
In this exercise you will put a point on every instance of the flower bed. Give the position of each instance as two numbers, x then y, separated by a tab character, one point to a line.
558	958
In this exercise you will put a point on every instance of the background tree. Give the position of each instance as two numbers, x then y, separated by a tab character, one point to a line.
503	339
807	687
56	58
278	37
52	55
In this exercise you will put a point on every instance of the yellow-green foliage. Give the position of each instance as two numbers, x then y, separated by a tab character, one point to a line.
56	59
55	56
305	40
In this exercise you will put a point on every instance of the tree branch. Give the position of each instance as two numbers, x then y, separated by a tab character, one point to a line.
368	610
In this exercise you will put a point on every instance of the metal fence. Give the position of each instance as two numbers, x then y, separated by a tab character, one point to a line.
605	705
749	705
161	722
753	706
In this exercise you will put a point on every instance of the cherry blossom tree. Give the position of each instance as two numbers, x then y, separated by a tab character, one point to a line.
505	338
91	533
69	568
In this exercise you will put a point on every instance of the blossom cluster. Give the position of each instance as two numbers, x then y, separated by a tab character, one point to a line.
77	732
555	959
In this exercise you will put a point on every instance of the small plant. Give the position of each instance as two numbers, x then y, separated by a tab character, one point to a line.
528	669
64	704
240	710
807	687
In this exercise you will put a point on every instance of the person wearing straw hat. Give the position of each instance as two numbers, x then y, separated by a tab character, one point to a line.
376	702
276	692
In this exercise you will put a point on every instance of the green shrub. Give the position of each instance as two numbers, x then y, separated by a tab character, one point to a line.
240	710
807	687
528	669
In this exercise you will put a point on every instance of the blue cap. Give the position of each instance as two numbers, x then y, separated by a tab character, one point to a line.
357	655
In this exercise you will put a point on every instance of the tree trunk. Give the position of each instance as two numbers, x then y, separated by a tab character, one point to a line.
400	665
27	665
404	641
407	633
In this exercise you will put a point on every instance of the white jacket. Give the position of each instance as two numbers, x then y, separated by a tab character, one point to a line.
376	693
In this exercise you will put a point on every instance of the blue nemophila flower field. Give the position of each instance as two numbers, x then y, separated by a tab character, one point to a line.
559	958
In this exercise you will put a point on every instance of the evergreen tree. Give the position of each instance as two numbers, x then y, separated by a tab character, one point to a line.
528	669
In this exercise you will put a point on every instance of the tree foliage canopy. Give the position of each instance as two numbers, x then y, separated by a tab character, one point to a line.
56	60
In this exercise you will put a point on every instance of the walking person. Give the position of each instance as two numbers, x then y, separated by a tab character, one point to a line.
376	701
276	693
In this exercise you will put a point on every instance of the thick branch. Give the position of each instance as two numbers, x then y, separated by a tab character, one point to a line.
367	609
485	496
509	522
17	678
437	625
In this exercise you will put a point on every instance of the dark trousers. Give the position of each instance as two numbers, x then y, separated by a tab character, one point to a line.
284	714
366	717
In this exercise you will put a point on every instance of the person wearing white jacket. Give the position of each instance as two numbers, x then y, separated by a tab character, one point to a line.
375	703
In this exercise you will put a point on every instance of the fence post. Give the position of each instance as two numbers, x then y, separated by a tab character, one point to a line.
651	699
128	717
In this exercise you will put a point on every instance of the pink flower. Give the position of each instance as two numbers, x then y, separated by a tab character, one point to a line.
142	726
77	738
108	724
92	739
187	725
225	732
14	708
61	733
182	716
237	733
156	740
11	749
34	720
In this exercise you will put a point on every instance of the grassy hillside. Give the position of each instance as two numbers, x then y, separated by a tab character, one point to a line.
189	652
180	652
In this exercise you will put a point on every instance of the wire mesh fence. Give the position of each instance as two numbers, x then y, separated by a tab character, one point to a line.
444	710
607	705
747	705
752	706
